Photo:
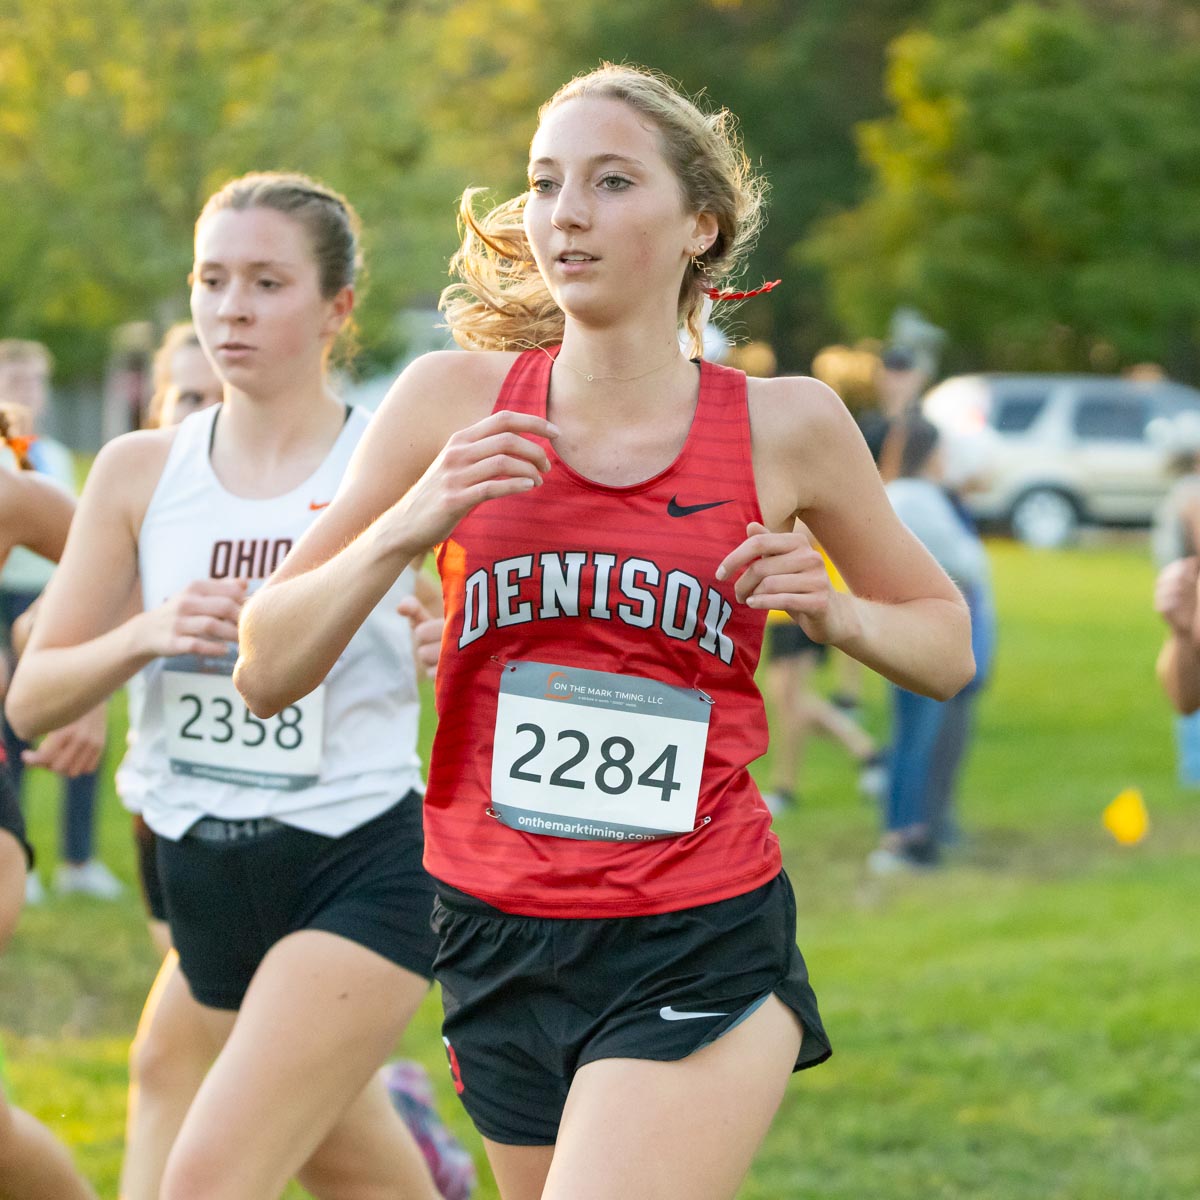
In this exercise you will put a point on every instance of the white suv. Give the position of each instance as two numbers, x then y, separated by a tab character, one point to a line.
1049	452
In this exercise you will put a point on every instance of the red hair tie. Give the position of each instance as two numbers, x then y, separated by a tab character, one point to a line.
716	294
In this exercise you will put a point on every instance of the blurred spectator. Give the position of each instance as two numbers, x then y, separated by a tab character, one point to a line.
25	380
927	752
755	358
1178	664
1145	372
1175	542
919	336
958	713
1176	531
852	372
901	382
184	379
798	710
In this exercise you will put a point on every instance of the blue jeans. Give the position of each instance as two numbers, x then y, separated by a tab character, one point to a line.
949	750
1187	734
916	722
78	829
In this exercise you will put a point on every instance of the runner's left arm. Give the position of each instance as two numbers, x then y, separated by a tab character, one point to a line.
902	617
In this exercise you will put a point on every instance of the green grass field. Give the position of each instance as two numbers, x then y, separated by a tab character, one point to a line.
1020	1026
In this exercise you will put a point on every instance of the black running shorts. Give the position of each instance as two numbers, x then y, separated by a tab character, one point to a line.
785	639
229	902
11	818
146	843
530	1000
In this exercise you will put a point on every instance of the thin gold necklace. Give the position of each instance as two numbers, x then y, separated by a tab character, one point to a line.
608	378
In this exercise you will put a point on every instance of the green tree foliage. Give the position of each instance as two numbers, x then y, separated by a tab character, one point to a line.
799	77
1033	192
1021	142
117	120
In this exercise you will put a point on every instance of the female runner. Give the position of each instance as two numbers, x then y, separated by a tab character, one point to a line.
289	849
624	999
171	1052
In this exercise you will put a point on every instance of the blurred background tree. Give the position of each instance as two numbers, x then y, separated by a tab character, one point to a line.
1022	173
119	120
1033	192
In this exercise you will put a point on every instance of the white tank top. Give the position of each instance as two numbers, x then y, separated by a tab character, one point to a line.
343	754
130	777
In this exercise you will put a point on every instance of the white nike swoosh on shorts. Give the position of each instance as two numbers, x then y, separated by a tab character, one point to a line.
669	1014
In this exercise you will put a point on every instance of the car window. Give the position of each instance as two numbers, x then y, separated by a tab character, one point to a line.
1111	418
1173	403
1016	413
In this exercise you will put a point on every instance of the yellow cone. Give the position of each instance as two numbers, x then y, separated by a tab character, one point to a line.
1126	817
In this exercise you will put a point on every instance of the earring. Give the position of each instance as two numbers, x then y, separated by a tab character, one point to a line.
700	266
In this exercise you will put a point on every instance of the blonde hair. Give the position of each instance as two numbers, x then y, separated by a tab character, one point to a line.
175	339
501	300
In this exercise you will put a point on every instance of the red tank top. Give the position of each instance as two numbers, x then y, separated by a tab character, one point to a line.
576	577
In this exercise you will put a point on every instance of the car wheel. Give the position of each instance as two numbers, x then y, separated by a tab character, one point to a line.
1045	518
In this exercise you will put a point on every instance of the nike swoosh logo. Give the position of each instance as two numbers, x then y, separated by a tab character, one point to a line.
669	1014
675	509
313	506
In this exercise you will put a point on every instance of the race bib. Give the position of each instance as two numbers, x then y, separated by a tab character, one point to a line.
211	733
599	757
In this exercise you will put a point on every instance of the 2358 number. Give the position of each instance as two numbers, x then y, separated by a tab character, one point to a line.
287	733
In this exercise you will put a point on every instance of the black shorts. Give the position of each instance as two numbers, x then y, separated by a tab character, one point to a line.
785	639
229	902
146	843
530	1000
11	817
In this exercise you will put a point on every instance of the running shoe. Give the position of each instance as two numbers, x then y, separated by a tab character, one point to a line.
873	775
450	1164
91	878
912	858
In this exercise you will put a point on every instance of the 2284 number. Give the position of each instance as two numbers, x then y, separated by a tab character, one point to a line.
612	770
